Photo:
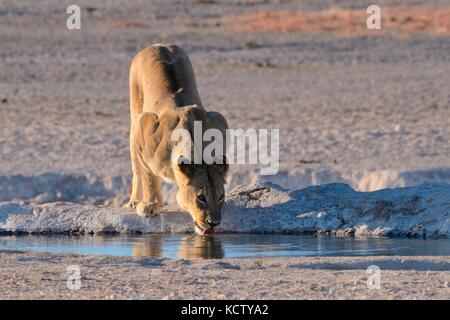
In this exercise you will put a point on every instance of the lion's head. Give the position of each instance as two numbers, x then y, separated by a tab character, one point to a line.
201	192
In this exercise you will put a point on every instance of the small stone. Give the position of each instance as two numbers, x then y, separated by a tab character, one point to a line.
447	284
91	9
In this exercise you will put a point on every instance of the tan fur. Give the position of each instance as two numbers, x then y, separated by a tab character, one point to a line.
163	97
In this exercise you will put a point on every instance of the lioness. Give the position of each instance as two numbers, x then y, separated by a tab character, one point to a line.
164	97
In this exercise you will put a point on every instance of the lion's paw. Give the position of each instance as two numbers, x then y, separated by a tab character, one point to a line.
131	204
148	209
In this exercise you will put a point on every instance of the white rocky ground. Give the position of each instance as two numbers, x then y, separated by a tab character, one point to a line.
262	208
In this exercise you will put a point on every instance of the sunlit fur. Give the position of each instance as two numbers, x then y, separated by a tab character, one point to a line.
164	97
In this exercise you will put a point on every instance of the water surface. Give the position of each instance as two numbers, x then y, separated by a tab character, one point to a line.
225	245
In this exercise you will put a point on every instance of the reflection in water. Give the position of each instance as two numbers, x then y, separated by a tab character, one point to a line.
198	247
150	247
190	247
225	245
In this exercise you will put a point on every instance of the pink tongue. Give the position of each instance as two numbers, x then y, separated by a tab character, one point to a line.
203	231
208	231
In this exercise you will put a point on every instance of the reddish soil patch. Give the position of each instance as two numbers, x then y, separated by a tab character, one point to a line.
127	23
397	19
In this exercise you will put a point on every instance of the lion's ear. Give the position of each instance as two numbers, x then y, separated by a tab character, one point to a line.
218	119
222	168
186	167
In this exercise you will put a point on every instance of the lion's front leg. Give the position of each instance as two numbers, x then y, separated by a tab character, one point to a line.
136	191
147	210
136	185
136	194
152	196
146	194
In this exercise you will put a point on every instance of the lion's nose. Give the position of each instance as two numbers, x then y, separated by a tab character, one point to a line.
212	223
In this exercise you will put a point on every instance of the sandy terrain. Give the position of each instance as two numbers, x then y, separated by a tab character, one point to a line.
370	109
44	276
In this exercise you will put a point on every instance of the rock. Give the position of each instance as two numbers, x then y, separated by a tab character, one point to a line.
423	210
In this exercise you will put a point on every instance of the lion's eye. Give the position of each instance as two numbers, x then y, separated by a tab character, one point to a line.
221	198
201	198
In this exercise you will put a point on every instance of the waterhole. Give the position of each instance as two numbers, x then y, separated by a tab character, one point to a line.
225	245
